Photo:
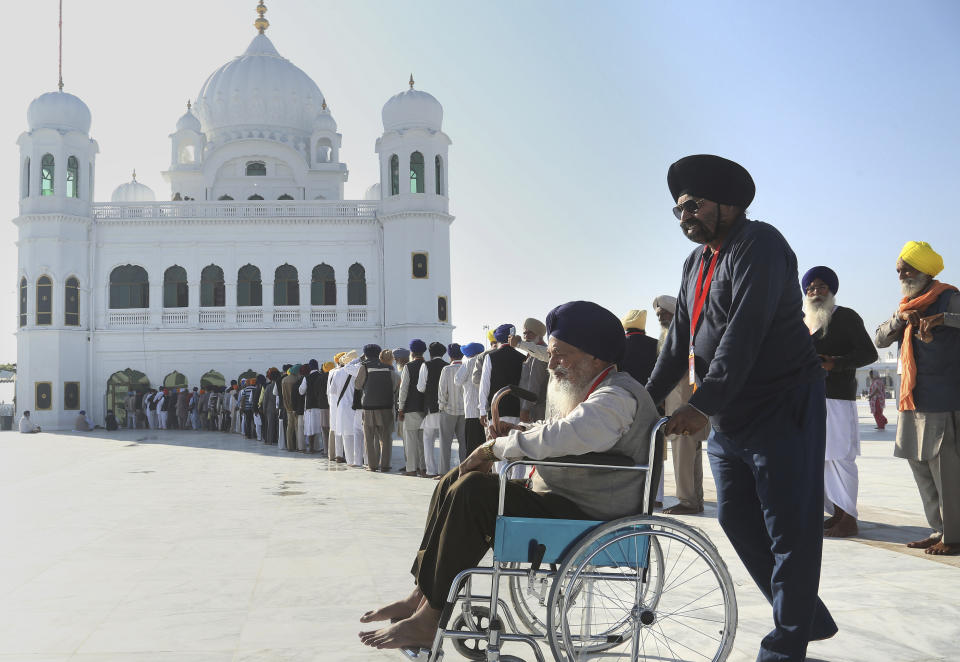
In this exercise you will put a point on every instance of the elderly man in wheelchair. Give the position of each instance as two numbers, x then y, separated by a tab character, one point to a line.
628	585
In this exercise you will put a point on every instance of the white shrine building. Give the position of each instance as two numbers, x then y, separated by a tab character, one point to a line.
257	260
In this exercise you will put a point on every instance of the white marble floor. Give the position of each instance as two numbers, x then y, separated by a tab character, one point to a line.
141	546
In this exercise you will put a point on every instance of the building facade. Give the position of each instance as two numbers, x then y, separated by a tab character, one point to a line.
256	260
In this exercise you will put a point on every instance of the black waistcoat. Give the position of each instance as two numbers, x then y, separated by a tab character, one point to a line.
506	366
415	401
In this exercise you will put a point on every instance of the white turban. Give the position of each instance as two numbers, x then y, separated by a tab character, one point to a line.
668	303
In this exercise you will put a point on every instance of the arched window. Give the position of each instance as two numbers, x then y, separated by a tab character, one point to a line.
323	286
286	287
285	196
357	285
255	196
212	290
256	169
187	154
46	174
438	168
324	150
394	175
26	178
416	172
71	302
225	197
23	302
129	287
44	301
73	177
249	287
175	290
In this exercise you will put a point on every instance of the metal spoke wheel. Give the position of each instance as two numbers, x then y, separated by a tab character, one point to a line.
479	621
527	606
642	588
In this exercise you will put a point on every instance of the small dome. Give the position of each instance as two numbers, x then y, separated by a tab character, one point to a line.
59	110
372	193
188	121
325	121
412	109
133	191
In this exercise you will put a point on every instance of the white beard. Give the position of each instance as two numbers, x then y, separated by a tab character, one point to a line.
911	287
663	337
818	313
563	396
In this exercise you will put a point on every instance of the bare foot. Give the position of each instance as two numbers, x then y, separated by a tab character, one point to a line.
418	631
943	549
925	543
844	527
398	610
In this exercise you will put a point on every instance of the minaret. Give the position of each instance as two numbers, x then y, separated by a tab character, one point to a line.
54	277
416	221
187	146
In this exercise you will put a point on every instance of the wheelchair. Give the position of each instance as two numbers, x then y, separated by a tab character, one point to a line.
642	587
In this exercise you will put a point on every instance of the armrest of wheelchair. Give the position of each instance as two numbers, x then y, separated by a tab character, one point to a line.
607	459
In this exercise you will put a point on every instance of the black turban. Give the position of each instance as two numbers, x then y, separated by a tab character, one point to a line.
437	349
588	327
371	351
453	349
712	177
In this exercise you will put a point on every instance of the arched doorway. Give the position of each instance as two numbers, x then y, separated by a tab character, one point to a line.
212	378
121	383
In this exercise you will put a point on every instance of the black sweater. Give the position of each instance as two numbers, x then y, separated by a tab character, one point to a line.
850	345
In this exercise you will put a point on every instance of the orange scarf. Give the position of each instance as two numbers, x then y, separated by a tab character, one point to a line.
908	364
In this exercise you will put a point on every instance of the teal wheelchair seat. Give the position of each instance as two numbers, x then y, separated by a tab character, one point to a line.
517	539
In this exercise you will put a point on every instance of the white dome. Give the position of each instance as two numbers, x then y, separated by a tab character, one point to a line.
189	122
412	109
258	90
59	110
372	193
133	191
325	122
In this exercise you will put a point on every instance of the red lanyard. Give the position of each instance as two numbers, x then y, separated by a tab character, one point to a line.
603	375
700	294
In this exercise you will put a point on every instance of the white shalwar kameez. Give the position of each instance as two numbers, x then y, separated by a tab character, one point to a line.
346	416
840	479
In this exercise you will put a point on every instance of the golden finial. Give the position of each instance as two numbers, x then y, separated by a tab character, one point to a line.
134	174
261	24
324	107
411	81
189	105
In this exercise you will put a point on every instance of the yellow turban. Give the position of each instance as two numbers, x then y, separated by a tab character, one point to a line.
328	366
919	255
634	319
337	357
490	337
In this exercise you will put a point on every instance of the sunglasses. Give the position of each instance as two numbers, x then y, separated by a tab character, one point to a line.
690	206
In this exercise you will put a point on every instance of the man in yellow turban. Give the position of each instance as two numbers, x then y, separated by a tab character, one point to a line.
926	327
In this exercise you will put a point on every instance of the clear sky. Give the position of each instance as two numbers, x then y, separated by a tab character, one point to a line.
564	118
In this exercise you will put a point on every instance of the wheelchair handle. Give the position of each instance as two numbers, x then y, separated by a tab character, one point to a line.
507	465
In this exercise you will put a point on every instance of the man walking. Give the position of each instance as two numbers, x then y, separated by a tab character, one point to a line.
738	337
843	345
926	328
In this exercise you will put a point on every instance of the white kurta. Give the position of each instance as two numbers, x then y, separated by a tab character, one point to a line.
840	478
334	384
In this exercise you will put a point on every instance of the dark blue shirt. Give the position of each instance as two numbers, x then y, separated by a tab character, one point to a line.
751	345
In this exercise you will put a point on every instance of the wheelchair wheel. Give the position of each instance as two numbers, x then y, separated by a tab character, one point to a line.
642	588
472	649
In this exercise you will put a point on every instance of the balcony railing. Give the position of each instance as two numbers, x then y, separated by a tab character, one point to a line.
356	315
326	316
174	318
212	318
237	210
137	317
250	317
286	316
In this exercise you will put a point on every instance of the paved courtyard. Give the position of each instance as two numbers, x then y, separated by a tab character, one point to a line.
145	546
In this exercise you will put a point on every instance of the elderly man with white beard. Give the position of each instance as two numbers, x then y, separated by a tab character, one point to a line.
590	408
843	345
926	327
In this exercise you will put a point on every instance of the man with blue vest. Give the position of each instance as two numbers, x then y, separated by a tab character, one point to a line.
926	328
738	337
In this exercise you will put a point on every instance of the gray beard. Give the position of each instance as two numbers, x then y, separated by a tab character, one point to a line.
817	314
563	396
911	287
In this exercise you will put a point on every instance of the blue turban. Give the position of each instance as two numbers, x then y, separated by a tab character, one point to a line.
417	346
401	354
590	328
437	349
503	332
826	274
471	349
314	365
453	349
371	351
